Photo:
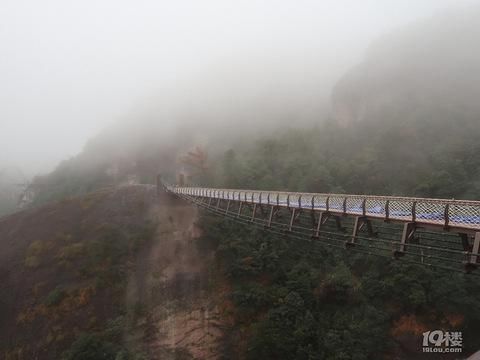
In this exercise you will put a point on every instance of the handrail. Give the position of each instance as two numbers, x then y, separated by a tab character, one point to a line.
449	213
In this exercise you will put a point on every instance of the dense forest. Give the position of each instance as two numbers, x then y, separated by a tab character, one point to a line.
304	301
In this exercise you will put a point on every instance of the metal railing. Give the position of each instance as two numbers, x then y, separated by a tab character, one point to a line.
458	214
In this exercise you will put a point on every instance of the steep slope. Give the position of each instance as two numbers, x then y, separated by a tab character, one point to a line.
428	72
304	300
409	113
103	274
12	183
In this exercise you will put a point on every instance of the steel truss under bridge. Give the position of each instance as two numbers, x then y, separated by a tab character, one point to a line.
432	232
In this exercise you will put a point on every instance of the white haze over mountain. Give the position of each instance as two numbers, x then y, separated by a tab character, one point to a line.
68	69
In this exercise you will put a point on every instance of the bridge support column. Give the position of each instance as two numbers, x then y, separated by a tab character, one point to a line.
356	229
239	209
293	218
270	216
474	256
254	210
407	236
322	219
359	224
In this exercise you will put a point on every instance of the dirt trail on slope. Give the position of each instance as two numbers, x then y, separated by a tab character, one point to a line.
176	315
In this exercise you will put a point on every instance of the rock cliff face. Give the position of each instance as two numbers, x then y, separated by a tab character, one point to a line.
184	318
429	71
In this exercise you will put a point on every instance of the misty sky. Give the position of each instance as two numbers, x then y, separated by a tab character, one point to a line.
69	68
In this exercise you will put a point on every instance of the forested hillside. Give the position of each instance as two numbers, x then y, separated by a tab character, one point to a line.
301	300
113	275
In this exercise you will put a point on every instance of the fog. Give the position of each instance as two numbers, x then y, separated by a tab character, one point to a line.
69	69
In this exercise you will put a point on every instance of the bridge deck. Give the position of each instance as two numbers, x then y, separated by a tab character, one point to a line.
356	222
455	214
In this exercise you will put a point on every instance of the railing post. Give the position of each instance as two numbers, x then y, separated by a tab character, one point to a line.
414	211
446	215
387	210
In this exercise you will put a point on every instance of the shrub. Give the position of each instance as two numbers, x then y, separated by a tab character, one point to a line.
72	251
55	297
91	347
34	253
